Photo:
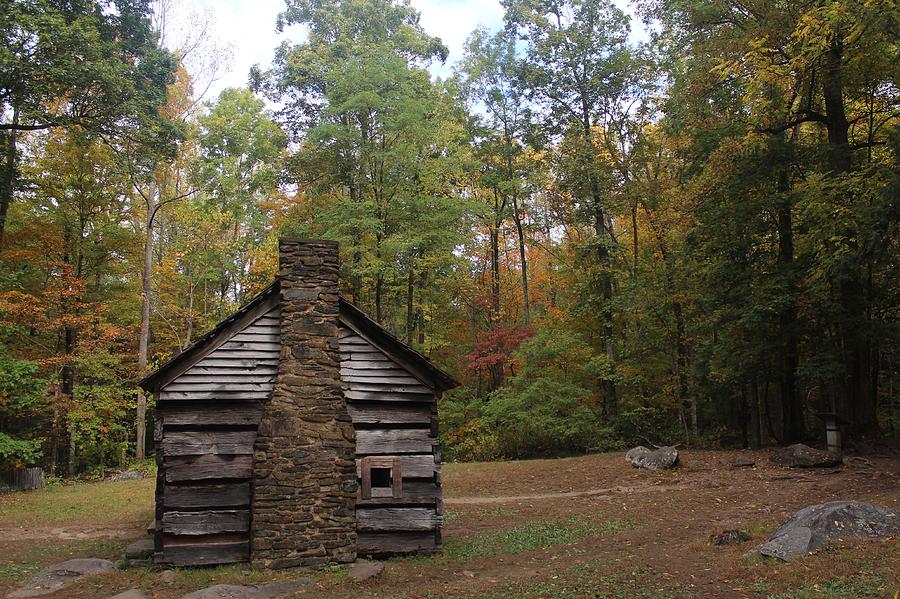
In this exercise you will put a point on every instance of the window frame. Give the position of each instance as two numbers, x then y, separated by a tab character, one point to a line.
393	464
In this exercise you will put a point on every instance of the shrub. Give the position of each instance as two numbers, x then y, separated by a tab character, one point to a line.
544	418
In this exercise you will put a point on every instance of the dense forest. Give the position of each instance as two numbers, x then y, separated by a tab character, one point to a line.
691	239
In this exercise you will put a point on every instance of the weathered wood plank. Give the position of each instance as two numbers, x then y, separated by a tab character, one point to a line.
223	378
214	362
388	375
223	395
395	519
202	443
373	543
206	522
202	554
265	335
242	354
388	413
196	496
356	386
204	467
415	491
351	342
389	442
361	353
363	395
236	370
253	346
240	413
417	466
177	386
368	364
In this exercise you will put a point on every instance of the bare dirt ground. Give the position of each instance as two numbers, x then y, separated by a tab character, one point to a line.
590	526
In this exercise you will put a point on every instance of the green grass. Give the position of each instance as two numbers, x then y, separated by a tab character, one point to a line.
855	587
531	536
101	503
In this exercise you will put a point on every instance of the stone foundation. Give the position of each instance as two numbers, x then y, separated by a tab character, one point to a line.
304	480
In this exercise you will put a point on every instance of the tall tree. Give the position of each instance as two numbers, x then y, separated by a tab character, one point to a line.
575	66
490	72
93	64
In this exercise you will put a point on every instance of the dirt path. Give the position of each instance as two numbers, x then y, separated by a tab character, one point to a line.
74	532
601	493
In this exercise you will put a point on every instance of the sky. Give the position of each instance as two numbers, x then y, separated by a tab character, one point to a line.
247	28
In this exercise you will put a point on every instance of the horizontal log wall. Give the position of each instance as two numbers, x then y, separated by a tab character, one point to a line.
395	416
208	417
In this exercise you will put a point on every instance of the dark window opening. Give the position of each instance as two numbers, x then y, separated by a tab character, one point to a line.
381	478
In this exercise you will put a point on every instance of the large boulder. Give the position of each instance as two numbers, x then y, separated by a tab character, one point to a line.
55	577
815	526
652	459
803	456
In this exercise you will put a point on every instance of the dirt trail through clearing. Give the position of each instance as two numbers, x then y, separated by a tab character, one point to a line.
597	493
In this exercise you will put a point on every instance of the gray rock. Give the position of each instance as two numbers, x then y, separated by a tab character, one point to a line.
52	578
652	459
363	570
730	537
131	594
742	461
815	526
803	456
140	549
126	475
167	576
267	590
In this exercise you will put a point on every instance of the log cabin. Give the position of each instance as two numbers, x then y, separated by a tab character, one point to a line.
297	432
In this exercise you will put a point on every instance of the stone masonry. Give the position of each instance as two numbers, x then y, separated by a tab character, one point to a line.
304	479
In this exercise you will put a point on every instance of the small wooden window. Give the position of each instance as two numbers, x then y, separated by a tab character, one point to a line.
381	477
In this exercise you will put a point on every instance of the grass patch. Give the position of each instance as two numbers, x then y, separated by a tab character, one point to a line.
531	536
855	587
101	503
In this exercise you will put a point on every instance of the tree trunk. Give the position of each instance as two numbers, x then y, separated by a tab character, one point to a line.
8	175
190	308
355	279
495	260
68	389
755	440
410	313
792	405
522	257
144	339
610	398
420	312
861	388
634	237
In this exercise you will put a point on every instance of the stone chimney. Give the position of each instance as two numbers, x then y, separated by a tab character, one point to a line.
304	479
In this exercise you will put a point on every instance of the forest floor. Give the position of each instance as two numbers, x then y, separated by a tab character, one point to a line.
589	526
